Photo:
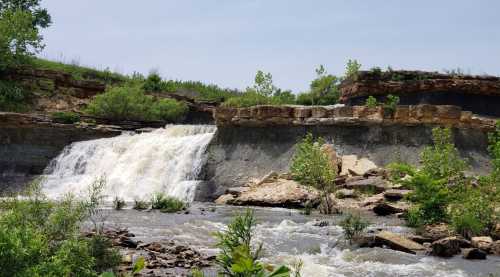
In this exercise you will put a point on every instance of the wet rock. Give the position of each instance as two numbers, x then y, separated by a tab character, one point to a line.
126	242
322	223
495	248
384	209
223	199
436	231
398	242
473	254
395	194
446	247
371	184
483	243
346	193
281	193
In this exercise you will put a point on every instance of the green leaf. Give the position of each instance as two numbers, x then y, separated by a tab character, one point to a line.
107	274
282	271
139	265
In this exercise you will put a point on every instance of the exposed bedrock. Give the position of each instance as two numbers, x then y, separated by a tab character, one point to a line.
29	142
247	147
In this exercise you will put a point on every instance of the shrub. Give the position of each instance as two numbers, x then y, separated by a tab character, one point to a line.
371	102
376	72
167	204
324	89
153	83
494	148
237	257
130	103
353	227
397	171
473	212
12	97
311	166
41	238
141	205
118	203
391	103
101	248
352	69
442	160
65	117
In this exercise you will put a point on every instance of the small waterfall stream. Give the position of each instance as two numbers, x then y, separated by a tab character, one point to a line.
134	165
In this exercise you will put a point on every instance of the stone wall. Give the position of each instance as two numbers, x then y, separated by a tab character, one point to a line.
251	142
479	94
29	142
265	116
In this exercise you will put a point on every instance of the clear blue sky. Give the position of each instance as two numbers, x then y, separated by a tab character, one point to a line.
226	41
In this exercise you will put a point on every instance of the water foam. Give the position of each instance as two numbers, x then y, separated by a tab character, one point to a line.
134	165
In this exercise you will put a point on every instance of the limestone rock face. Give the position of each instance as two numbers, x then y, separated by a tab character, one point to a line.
398	242
280	193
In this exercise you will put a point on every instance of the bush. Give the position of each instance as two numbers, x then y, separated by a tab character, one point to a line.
101	248
353	227
397	171
65	117
13	98
311	166
167	204
42	238
237	257
130	103
118	203
391	103
141	205
371	102
442	160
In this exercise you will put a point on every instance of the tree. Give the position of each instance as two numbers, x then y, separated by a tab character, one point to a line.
324	89
20	21
264	84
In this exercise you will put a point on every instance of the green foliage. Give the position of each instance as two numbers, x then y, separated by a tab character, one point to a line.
494	148
353	227
352	69
41	17
376	72
442	160
154	83
19	37
139	265
237	258
311	165
12	97
264	84
42	238
130	103
167	204
397	171
118	203
65	117
371	102
251	98
391	103
80	72
324	89
141	205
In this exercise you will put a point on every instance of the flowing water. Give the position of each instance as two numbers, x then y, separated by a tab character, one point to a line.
288	236
134	165
169	160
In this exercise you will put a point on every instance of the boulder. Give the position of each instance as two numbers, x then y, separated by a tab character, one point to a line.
398	242
495	248
223	199
384	209
329	150
419	239
346	193
357	167
483	243
473	254
236	191
373	184
281	193
436	231
446	247
396	194
268	178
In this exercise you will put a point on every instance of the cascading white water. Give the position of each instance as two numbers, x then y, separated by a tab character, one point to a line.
134	165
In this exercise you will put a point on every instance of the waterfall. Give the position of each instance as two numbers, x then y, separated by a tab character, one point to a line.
134	165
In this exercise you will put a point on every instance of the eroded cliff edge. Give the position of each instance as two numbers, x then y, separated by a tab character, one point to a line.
250	142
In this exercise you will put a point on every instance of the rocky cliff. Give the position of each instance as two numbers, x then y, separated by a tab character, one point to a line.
29	142
479	94
251	142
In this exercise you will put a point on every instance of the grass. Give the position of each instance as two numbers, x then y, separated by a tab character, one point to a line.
65	117
118	203
167	204
80	72
140	205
